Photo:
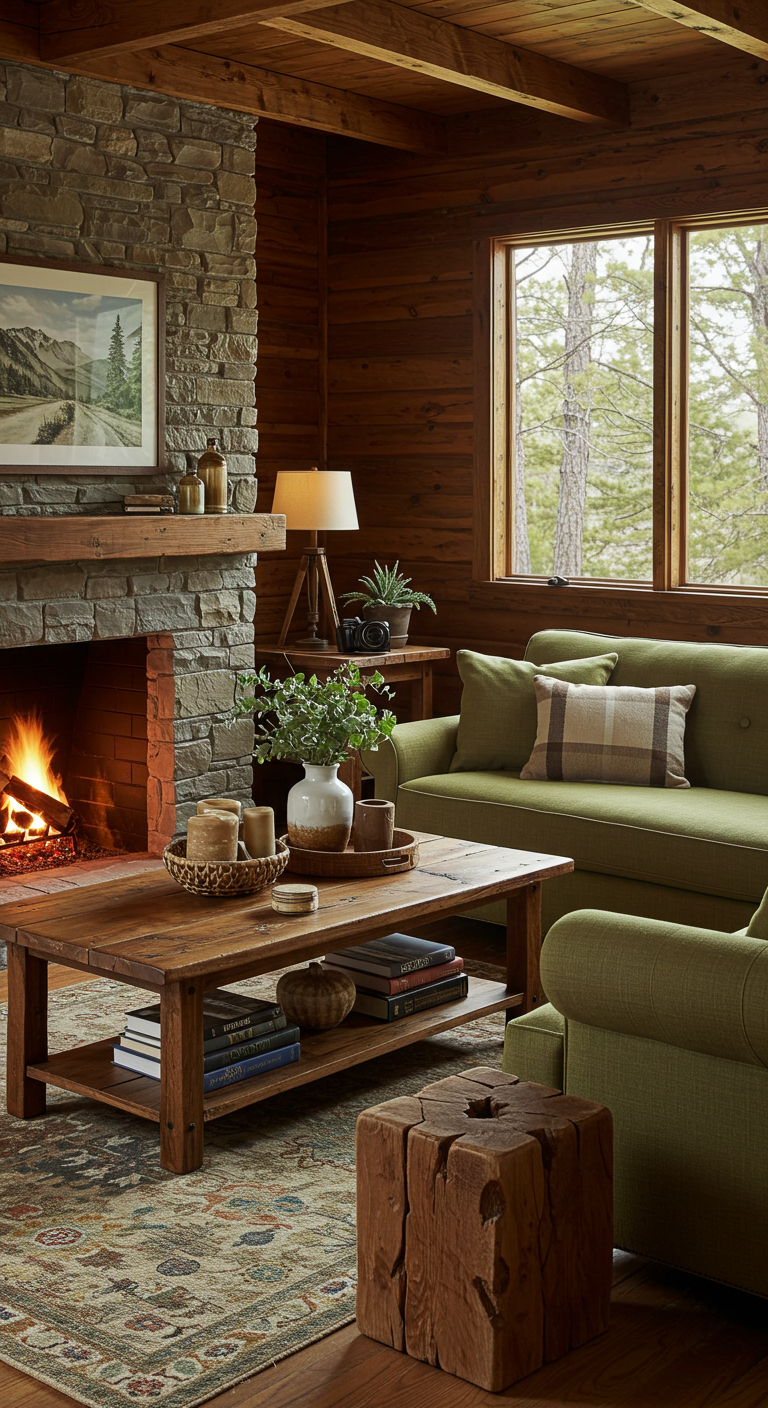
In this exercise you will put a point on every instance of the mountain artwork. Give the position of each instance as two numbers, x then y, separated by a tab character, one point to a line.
77	386
54	390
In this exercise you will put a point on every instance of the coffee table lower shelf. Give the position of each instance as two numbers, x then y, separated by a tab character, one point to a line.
89	1070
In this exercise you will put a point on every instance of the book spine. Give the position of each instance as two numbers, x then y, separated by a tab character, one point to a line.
396	968
391	1009
238	1024
221	1043
391	987
217	1060
256	1065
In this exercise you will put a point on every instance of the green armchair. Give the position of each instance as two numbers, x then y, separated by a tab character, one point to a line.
667	1025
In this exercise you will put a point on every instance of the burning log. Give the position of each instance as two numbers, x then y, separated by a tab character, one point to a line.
54	813
6	771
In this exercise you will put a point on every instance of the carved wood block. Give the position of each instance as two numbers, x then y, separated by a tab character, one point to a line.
485	1225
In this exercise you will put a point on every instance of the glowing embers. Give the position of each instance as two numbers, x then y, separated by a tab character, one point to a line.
36	821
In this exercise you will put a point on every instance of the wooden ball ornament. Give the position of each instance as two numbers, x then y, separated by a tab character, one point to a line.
316	996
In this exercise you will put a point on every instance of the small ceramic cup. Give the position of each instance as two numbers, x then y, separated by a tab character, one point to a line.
374	825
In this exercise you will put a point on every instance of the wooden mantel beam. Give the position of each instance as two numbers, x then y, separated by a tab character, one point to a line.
744	26
392	34
203	78
70	29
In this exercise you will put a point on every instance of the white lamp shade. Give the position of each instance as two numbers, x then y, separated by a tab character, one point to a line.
316	499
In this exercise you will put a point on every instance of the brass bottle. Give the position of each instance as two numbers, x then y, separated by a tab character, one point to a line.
191	493
212	468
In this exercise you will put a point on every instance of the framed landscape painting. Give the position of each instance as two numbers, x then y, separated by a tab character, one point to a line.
81	351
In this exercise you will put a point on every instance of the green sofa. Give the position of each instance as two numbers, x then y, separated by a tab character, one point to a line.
667	1025
692	856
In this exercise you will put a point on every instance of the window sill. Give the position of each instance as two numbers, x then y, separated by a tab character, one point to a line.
633	601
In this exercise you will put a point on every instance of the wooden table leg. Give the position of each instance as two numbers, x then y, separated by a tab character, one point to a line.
181	1076
421	697
524	945
27	1030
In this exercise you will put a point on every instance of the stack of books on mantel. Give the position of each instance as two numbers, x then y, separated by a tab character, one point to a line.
149	503
242	1037
399	975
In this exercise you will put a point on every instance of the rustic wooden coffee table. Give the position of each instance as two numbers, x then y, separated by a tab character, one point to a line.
148	932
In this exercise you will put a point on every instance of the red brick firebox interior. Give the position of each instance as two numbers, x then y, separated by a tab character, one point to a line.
92	698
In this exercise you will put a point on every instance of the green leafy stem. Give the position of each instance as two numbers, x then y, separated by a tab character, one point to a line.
306	721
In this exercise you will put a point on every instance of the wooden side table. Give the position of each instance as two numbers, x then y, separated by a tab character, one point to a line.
413	665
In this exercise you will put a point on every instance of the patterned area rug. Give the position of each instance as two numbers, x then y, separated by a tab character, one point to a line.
120	1282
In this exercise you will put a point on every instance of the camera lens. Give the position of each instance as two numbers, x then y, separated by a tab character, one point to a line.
374	635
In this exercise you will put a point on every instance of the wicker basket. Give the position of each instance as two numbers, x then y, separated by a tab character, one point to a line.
222	878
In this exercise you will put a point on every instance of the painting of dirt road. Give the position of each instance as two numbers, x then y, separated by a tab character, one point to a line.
76	366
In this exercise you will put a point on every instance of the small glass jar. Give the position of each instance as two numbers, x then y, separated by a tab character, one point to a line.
191	493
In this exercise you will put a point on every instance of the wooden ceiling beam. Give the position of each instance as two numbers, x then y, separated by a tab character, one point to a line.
204	78
392	34
70	30
744	26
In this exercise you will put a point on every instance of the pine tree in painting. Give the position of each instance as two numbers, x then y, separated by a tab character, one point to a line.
115	396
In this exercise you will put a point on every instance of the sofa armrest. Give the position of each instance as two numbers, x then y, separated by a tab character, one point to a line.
421	749
697	989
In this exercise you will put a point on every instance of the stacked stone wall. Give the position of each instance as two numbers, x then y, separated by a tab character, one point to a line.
114	177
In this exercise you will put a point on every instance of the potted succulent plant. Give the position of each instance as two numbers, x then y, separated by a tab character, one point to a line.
388	596
306	721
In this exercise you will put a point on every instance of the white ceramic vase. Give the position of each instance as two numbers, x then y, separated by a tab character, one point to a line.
320	810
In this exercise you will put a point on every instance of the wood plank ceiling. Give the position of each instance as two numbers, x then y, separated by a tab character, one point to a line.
382	71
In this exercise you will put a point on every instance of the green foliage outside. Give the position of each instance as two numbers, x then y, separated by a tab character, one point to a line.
304	721
613	394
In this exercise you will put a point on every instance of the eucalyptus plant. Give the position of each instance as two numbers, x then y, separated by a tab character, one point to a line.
389	587
306	721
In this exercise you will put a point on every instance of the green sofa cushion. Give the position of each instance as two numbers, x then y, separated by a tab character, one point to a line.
497	726
726	733
698	839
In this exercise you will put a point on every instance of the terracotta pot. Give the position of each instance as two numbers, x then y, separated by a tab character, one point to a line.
398	618
316	997
374	824
320	810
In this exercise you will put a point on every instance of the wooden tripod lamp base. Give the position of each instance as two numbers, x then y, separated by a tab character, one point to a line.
316	500
313	566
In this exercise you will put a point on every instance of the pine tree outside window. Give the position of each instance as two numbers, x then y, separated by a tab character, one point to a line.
628	401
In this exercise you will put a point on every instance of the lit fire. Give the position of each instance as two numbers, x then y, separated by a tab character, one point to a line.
30	757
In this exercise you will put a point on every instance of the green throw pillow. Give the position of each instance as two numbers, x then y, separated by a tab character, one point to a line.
757	927
497	727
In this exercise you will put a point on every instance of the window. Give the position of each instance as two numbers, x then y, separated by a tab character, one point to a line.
629	406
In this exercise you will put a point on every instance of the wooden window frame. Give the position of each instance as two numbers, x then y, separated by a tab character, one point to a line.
668	596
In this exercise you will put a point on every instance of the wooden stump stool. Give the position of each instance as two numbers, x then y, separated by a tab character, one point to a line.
485	1225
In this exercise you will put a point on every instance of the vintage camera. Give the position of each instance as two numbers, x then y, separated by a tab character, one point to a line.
357	637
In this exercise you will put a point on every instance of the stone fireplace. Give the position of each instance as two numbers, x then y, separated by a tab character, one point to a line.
133	659
132	665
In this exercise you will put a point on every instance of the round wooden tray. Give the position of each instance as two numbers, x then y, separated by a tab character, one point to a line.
404	855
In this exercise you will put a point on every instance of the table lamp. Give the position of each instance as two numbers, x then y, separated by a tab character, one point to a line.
317	500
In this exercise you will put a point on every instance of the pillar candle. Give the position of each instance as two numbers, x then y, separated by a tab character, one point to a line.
220	804
212	836
259	831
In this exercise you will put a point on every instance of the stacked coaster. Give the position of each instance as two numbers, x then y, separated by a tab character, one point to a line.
294	899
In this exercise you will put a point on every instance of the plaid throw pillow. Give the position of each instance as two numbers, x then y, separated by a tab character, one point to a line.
619	734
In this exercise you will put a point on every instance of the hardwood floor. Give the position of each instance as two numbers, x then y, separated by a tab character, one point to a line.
674	1341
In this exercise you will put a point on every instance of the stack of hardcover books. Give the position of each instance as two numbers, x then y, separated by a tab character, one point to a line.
242	1037
149	503
399	975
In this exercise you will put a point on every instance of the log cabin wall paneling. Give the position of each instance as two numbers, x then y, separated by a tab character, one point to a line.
400	377
292	362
